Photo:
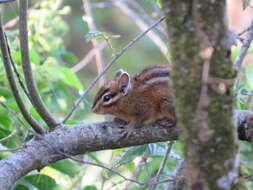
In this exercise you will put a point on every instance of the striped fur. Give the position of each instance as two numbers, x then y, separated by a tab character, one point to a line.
150	73
150	76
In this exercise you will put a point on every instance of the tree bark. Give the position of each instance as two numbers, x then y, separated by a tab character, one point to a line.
197	34
78	139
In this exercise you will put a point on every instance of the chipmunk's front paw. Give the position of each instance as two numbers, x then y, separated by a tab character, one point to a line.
120	121
126	130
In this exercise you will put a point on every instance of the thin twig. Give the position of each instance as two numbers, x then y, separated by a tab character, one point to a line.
11	79
87	59
179	182
143	26
244	48
118	55
13	133
26	64
10	149
163	164
13	22
92	27
146	16
14	114
113	171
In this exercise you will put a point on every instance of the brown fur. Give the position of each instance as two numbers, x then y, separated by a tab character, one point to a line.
146	102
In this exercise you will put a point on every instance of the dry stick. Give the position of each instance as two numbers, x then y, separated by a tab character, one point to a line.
139	22
179	181
33	91
113	171
13	22
92	27
145	15
244	49
12	82
162	166
118	55
87	59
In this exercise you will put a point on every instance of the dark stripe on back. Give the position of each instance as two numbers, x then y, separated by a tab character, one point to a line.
158	71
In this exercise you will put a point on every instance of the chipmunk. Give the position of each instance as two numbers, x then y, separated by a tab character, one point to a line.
142	99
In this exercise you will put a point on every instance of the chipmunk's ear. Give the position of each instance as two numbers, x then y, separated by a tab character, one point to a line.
124	82
118	73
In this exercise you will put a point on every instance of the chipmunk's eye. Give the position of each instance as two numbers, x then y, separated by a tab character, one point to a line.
107	98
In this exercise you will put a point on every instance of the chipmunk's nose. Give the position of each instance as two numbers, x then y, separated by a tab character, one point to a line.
95	109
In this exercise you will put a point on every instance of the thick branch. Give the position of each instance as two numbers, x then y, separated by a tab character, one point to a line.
7	64
77	139
35	97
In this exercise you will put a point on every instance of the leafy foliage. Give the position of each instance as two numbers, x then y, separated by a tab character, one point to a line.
51	28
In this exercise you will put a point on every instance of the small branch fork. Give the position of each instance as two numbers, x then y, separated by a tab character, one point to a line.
7	64
118	55
246	44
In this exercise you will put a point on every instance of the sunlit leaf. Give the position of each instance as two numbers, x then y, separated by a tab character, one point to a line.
66	166
246	3
40	181
90	187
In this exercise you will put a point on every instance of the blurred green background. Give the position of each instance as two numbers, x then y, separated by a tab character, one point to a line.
58	37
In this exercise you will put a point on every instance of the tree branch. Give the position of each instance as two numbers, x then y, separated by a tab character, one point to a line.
11	79
78	139
73	140
35	97
245	47
142	25
92	27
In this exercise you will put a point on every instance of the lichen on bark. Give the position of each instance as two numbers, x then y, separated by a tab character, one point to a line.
197	30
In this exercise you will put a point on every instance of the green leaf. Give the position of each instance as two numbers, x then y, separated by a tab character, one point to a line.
35	59
158	3
94	157
65	75
90	187
71	79
99	35
67	167
5	92
132	153
249	75
156	149
21	187
245	3
41	181
4	118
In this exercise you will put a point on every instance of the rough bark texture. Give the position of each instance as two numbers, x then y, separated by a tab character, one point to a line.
197	33
77	139
73	140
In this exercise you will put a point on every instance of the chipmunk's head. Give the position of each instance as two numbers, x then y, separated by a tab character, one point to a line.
109	95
